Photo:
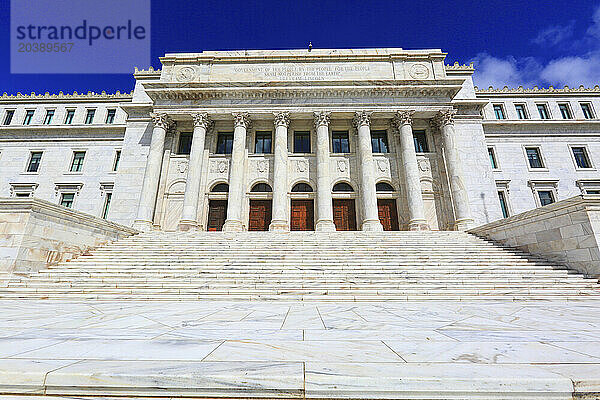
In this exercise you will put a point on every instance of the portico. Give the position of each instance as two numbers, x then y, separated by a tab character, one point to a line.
357	164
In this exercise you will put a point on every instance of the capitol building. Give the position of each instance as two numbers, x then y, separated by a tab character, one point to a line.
280	140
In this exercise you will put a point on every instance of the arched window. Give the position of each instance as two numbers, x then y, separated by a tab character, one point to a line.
384	187
342	187
220	188
261	187
302	188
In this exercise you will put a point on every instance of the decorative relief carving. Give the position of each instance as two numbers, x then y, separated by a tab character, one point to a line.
219	166
362	118
342	165
322	118
419	71
424	165
262	166
185	74
241	119
403	118
282	119
445	117
301	165
202	120
182	167
382	165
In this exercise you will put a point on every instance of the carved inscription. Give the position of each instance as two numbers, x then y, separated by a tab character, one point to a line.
302	72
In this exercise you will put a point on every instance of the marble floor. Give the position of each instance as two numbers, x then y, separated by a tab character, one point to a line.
71	350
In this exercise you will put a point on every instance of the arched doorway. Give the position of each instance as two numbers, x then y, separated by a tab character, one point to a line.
302	208
386	205
217	207
344	208
260	207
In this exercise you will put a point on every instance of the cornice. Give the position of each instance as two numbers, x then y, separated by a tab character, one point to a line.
202	92
536	90
89	96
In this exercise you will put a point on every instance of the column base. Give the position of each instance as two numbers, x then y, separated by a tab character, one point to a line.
185	225
279	226
371	225
232	225
142	225
325	225
463	224
418	225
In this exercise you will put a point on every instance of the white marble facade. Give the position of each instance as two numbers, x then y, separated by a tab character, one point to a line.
452	185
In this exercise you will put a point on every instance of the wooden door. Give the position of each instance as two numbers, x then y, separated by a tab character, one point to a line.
217	213
344	214
303	215
260	215
388	214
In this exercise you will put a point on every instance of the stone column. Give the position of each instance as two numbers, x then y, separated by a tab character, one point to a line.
368	191
324	203
410	172
192	185
233	223
279	221
147	203
460	198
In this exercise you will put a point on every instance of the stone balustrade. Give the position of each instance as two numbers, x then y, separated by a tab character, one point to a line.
567	231
35	233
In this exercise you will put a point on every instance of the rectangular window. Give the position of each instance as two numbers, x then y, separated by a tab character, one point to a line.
34	161
301	142
69	117
521	111
8	117
77	164
66	199
106	205
499	111
379	142
110	116
503	205
185	143
585	107
581	157
420	142
224	143
565	111
49	116
492	155
546	197
89	118
543	111
534	157
117	159
28	117
262	143
592	191
340	141
23	194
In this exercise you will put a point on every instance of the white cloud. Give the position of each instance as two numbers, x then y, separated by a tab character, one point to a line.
572	70
554	35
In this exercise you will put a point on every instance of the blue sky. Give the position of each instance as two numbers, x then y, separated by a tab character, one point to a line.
511	42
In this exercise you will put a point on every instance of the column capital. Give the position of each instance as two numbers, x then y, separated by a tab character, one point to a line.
241	119
445	117
403	117
362	118
281	119
162	120
201	119
322	118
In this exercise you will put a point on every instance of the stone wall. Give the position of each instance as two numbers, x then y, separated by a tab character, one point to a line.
567	232
35	233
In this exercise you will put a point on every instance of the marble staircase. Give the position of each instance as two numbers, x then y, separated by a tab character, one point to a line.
339	266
